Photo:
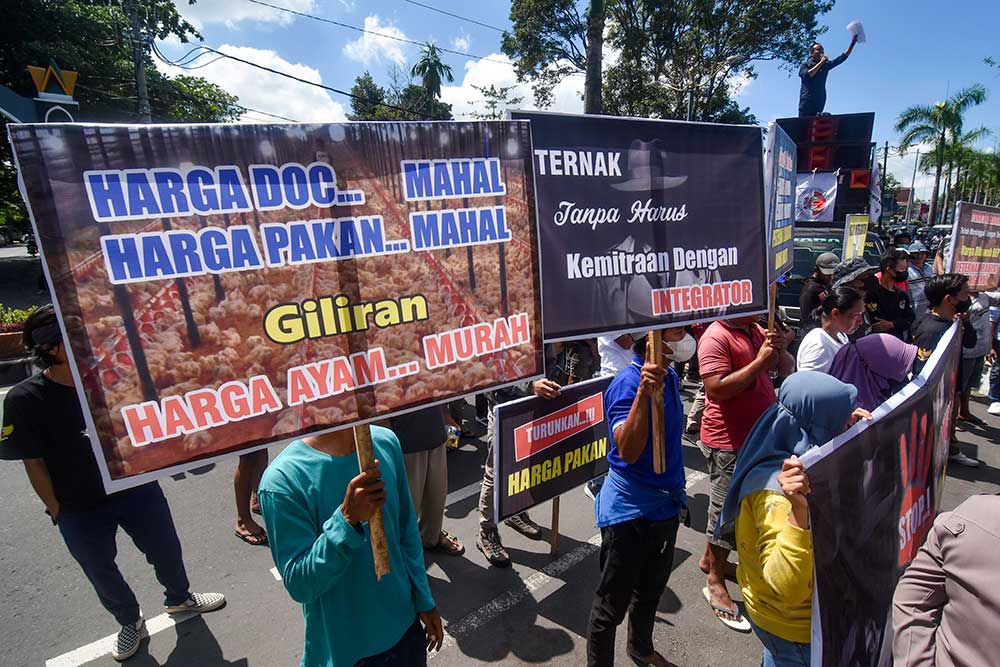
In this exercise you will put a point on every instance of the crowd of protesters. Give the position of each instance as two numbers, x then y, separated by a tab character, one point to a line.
864	330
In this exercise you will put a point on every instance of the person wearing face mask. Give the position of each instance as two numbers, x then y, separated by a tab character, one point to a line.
889	307
736	358
840	314
638	510
948	299
766	509
974	358
918	274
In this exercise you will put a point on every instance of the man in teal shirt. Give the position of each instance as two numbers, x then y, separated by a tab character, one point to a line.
316	507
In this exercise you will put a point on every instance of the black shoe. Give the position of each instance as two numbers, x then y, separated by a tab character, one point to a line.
489	543
523	524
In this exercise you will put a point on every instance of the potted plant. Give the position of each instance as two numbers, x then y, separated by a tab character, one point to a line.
11	325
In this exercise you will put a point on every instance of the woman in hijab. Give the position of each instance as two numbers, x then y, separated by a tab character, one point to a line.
875	365
766	506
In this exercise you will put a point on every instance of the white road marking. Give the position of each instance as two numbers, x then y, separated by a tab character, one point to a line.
102	647
461	494
535	582
275	574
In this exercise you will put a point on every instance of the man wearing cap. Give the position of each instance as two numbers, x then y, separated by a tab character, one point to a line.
817	286
917	276
857	274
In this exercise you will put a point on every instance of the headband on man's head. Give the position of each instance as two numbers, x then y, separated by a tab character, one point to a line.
47	334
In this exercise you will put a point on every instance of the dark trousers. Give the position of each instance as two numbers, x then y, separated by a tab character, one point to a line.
994	394
144	515
410	651
636	559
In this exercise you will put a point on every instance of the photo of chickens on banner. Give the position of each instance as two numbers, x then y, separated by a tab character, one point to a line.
227	287
875	491
647	222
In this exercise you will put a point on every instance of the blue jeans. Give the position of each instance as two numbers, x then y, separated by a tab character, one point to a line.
994	394
144	515
780	652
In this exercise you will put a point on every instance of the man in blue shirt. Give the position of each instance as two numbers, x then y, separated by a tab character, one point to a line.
638	510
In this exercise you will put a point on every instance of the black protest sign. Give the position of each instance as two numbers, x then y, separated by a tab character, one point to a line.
647	222
975	245
542	448
875	493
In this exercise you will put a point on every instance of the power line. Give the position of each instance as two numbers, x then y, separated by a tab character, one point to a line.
377	34
131	98
461	18
208	49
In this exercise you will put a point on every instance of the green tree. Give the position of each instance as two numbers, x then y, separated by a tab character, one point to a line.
400	100
939	125
431	70
495	101
91	37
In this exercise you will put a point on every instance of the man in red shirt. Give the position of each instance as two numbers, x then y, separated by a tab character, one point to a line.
736	358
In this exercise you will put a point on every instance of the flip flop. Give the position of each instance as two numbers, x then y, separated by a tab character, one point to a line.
253	539
642	663
448	544
738	623
972	419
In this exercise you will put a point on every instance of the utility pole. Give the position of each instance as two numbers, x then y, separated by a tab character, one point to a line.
690	102
139	56
913	182
885	167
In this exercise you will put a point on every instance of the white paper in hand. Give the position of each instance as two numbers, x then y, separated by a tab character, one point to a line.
857	28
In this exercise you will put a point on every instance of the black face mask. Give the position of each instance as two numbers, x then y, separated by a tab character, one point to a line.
963	306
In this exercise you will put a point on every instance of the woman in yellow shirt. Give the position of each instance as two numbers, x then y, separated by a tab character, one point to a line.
766	505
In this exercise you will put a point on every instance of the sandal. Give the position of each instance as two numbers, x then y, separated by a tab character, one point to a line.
735	620
253	539
972	419
640	662
448	544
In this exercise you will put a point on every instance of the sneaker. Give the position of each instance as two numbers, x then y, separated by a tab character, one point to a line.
199	603
593	487
489	543
523	524
994	408
961	459
127	642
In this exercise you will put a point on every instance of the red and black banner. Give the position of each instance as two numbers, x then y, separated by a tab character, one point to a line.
875	492
542	448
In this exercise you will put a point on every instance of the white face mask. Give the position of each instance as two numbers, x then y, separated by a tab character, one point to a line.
683	349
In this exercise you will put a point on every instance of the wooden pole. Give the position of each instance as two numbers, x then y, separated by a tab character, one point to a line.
654	355
771	307
554	532
376	525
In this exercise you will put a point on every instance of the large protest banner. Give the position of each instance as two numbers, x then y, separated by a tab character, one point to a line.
975	245
875	493
226	287
779	186
855	236
816	196
647	222
545	447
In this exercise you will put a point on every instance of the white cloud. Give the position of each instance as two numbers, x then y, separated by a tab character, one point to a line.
262	90
369	49
461	43
463	98
233	12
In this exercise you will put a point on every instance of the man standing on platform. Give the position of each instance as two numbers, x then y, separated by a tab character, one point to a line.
812	95
736	358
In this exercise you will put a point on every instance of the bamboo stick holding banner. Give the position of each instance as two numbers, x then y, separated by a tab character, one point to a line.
772	305
554	531
654	355
376	524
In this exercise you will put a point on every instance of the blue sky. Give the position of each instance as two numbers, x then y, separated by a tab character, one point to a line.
916	52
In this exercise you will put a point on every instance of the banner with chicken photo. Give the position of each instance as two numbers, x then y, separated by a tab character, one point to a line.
647	223
226	287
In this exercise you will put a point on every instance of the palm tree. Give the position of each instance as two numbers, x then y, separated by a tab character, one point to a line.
938	125
959	154
431	70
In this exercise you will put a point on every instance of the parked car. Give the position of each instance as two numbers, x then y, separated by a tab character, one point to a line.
807	245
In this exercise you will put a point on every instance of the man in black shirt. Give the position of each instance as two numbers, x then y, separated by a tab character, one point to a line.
889	307
948	299
812	95
43	426
816	287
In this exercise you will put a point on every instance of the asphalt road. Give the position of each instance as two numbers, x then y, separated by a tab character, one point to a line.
534	613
